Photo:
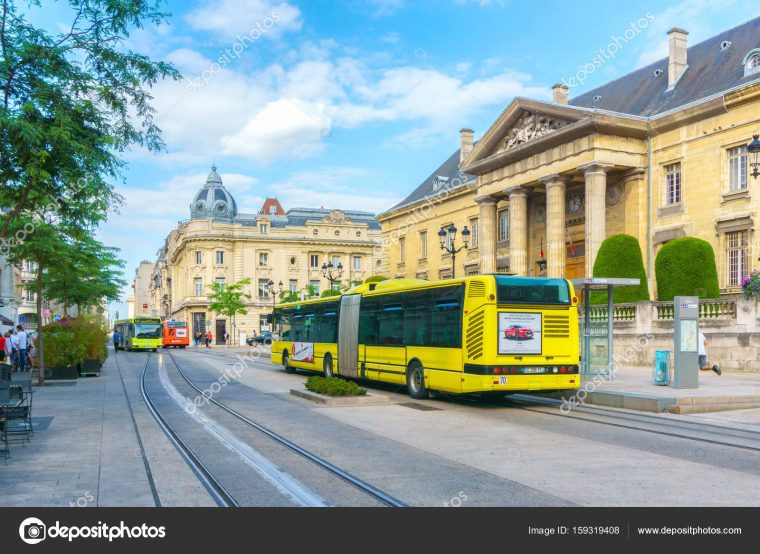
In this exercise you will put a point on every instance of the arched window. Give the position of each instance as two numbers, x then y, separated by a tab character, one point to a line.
752	62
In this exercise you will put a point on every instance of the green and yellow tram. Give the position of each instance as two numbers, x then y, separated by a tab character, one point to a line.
139	333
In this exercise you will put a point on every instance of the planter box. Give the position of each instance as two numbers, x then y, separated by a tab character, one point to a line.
90	367
61	372
363	400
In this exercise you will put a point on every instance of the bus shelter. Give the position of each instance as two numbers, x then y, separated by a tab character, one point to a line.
597	323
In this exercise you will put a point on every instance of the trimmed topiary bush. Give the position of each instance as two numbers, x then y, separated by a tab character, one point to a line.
620	256
334	386
686	267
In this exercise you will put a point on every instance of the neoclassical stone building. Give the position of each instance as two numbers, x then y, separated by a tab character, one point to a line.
218	244
659	153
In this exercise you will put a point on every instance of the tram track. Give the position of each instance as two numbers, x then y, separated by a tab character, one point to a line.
355	482
676	428
219	492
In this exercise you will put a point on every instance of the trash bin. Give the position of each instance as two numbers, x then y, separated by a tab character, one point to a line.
661	367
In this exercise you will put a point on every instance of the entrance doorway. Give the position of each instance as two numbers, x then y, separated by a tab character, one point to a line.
199	324
221	327
575	264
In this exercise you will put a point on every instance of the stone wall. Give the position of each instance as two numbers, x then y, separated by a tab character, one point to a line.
731	326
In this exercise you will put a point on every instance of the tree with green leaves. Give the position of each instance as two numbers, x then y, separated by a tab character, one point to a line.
229	300
85	275
71	101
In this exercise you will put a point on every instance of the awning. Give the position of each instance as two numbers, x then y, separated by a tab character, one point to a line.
5	321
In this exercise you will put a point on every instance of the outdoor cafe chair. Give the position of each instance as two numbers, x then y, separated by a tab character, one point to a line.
13	407
4	450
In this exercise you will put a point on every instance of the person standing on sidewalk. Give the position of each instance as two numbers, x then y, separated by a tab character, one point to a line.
23	342
8	348
704	365
209	337
116	341
2	348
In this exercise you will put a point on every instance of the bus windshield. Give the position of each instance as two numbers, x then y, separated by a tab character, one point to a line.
531	290
147	331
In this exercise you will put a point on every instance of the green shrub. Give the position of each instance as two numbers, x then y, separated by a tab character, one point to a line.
375	279
70	341
620	256
686	267
61	349
334	386
329	292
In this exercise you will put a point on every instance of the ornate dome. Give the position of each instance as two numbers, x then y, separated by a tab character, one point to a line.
213	201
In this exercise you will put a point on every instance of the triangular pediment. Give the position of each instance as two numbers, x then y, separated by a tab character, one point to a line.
522	122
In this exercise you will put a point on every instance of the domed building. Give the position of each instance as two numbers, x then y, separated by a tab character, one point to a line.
218	244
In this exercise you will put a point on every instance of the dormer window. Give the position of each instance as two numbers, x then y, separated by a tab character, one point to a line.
439	181
725	45
273	210
752	62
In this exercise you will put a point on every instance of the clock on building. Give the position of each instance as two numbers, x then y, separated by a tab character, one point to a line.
574	203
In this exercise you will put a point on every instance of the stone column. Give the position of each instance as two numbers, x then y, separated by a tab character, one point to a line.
518	230
486	234
555	225
596	191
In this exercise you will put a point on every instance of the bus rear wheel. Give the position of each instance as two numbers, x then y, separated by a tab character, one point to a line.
415	381
286	363
327	367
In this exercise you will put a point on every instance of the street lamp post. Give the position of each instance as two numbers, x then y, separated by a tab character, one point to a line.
450	245
332	273
753	153
270	289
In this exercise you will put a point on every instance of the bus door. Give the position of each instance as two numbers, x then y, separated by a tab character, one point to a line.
348	336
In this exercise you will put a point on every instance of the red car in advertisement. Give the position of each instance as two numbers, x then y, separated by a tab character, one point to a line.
517	332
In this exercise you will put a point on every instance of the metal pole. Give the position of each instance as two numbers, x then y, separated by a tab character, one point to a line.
586	329
610	318
453	262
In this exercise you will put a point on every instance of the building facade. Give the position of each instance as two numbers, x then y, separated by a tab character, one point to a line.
658	154
219	245
140	301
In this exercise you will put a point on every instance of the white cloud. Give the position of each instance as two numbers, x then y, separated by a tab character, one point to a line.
229	18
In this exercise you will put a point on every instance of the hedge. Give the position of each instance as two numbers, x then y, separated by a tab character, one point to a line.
686	267
70	341
620	256
334	386
330	292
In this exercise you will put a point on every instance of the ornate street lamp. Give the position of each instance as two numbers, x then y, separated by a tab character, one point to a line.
274	293
332	273
448	239
753	153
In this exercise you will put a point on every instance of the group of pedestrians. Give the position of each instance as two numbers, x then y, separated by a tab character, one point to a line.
17	349
206	338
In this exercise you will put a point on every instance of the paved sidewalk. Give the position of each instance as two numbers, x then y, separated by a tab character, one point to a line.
632	388
86	452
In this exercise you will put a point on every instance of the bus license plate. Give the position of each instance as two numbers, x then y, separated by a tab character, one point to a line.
534	370
503	380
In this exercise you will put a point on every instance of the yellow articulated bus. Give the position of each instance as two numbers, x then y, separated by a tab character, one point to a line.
489	333
139	333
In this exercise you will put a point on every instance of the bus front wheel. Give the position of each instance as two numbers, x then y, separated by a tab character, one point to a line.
286	363
415	381
327	367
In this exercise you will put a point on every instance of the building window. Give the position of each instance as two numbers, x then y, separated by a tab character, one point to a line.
219	281
263	259
314	261
263	291
423	244
198	257
401	250
263	228
737	255
219	257
198	281
314	284
294	285
737	168
673	184
474	233
752	62
357	263
29	267
29	295
273	210
504	225
335	261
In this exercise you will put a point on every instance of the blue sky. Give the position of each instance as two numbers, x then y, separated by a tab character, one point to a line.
350	104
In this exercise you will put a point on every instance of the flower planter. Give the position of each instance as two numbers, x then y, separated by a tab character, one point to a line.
90	367
61	372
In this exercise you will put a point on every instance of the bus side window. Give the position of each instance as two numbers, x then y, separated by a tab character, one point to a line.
446	323
298	328
391	321
417	308
368	321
